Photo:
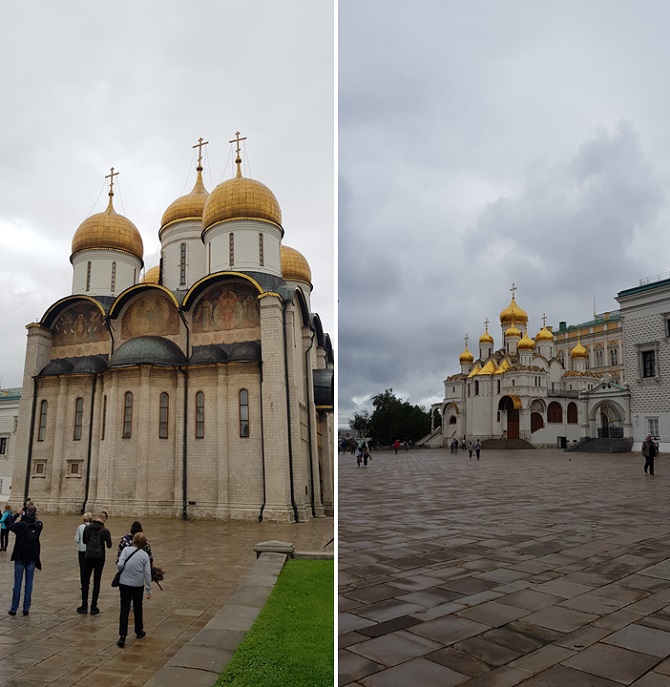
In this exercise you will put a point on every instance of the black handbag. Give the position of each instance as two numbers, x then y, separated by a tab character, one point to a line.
117	578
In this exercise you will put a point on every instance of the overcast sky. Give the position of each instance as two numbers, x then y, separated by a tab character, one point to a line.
487	143
85	86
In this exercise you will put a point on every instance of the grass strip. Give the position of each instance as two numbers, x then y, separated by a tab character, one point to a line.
292	640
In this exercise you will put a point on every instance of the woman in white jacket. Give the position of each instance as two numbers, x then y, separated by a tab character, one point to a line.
135	569
79	541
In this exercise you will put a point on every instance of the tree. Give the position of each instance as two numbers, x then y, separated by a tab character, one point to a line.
394	418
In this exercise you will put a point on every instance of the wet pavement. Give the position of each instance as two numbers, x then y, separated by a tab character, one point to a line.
538	568
205	564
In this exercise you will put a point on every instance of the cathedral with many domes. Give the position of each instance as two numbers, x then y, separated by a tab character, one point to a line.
202	387
528	390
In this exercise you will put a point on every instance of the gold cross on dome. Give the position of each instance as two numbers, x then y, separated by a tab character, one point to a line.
467	338
237	140
201	142
486	323
111	176
544	320
513	289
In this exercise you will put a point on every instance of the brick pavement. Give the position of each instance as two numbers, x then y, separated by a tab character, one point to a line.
539	568
206	563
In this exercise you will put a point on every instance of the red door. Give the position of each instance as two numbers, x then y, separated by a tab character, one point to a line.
512	424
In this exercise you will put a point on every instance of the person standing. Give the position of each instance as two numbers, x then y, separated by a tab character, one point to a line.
7	517
471	448
26	556
127	540
396	445
79	541
478	448
649	451
135	569
95	537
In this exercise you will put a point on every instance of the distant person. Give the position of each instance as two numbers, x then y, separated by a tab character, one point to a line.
649	451
5	520
135	569
26	555
366	456
396	445
127	540
478	448
456	446
86	519
471	448
96	537
406	445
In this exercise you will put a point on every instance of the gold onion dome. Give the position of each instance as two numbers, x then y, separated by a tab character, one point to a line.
466	356
294	266
513	313
486	338
512	331
190	206
544	335
526	343
108	230
153	275
579	351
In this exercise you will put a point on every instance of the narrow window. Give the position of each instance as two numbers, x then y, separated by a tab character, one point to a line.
128	415
209	258
554	412
614	357
653	426
113	276
476	388
231	249
42	432
261	256
104	417
572	413
244	413
3	445
78	418
88	276
648	363
498	386
164	415
200	415
182	265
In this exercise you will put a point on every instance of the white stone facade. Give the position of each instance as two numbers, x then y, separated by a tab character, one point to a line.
9	415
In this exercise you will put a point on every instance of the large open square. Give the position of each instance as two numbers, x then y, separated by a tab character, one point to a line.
535	567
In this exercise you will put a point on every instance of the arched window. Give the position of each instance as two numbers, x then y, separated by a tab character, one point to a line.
598	353
536	422
164	416
78	418
88	276
200	415
476	388
261	256
182	264
554	412
113	285
244	413
614	356
231	249
42	432
572	413
452	420
128	415
104	418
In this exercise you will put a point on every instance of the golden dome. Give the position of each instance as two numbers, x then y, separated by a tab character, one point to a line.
512	331
526	343
544	335
241	198
486	338
513	313
153	275
579	351
189	206
466	356
294	266
108	230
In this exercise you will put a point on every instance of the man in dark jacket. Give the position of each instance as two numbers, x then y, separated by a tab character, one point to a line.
649	451
26	555
96	537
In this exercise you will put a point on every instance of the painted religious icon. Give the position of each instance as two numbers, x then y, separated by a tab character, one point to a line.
225	308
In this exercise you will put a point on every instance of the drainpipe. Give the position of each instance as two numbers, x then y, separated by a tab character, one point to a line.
309	421
260	515
31	440
288	417
184	458
90	445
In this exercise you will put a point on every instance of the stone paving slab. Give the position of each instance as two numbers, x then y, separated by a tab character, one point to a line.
536	568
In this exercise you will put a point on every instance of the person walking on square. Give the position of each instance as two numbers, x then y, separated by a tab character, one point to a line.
26	556
471	448
649	451
478	448
95	537
366	455
79	541
127	540
135	569
396	445
7	517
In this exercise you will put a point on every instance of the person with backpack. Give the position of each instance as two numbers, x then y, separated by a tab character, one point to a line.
6	518
95	537
26	555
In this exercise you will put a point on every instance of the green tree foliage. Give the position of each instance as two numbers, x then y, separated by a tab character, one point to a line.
392	419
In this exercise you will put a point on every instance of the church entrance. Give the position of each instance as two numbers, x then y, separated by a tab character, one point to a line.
510	406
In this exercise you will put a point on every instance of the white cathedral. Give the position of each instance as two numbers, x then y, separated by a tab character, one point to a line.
203	388
522	391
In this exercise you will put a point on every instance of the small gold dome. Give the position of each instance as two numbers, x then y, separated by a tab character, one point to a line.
579	351
294	266
544	335
512	331
486	338
526	343
241	198
108	230
513	313
153	275
189	206
466	356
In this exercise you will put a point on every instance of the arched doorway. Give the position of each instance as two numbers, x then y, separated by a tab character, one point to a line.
610	423
511	405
